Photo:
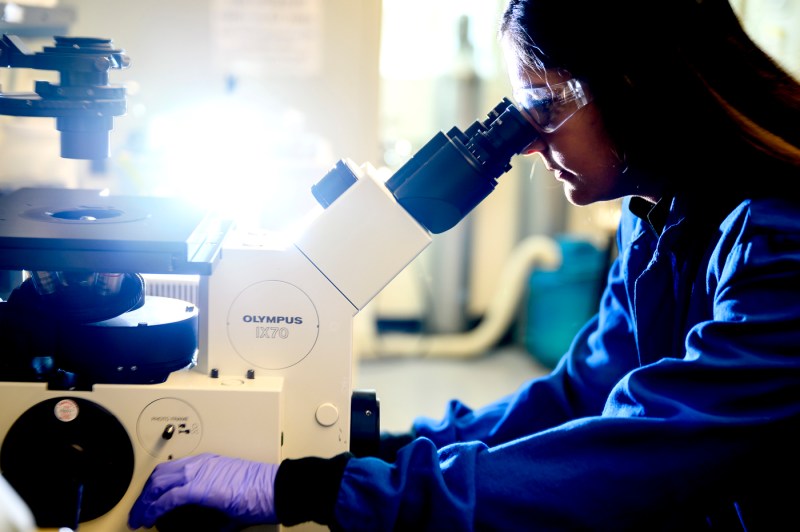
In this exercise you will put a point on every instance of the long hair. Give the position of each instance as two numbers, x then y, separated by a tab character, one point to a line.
682	88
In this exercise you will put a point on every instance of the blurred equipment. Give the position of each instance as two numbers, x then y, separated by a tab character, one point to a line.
562	299
99	383
15	516
35	19
83	104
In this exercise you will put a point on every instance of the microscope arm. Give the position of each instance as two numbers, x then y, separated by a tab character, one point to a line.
371	230
364	238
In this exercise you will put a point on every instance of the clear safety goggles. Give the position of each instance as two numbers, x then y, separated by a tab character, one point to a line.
552	105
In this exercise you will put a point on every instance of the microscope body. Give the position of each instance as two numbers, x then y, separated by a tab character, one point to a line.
272	379
79	451
268	374
288	312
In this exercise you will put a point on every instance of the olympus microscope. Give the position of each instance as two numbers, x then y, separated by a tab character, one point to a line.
99	383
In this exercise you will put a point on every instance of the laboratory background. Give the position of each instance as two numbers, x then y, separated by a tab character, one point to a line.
240	107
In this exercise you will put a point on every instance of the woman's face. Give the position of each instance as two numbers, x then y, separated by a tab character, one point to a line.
580	152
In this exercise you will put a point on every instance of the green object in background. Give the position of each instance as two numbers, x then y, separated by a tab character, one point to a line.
561	301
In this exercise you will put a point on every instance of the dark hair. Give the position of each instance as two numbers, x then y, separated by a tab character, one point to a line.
672	78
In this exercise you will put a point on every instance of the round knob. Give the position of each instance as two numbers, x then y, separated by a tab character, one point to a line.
327	414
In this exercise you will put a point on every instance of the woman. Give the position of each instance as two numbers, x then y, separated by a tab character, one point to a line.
678	405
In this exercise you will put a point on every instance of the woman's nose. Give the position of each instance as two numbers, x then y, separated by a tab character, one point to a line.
538	145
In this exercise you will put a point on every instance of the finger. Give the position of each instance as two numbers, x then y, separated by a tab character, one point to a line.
165	477
146	513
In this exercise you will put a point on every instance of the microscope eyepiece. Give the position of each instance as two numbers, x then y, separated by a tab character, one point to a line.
450	174
454	172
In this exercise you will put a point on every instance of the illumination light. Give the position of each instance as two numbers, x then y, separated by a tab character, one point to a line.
247	164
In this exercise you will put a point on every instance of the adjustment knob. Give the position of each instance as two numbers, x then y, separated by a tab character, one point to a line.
333	184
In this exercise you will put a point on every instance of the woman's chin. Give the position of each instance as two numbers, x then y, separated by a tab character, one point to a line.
576	196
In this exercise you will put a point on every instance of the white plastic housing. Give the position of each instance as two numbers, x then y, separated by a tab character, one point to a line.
363	239
236	417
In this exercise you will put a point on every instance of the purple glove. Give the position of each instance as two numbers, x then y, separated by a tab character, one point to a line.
241	489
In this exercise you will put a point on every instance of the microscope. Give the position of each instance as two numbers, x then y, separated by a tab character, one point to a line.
100	383
83	103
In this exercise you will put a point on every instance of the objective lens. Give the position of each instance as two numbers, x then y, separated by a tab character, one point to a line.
84	138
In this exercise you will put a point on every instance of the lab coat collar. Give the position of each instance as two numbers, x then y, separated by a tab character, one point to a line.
653	214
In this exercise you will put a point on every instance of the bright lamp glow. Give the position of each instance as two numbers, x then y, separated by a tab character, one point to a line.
247	164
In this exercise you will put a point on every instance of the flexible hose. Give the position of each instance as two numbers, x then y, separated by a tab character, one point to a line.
534	251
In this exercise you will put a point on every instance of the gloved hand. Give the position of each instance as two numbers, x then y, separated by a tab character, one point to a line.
241	489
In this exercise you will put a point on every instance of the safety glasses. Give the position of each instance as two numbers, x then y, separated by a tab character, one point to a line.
552	105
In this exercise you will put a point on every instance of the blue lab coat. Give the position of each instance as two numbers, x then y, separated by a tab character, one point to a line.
677	407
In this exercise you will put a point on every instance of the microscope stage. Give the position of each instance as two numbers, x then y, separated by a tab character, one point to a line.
55	229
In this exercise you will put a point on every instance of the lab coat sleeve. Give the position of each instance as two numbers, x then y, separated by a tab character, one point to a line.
675	439
306	489
577	387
